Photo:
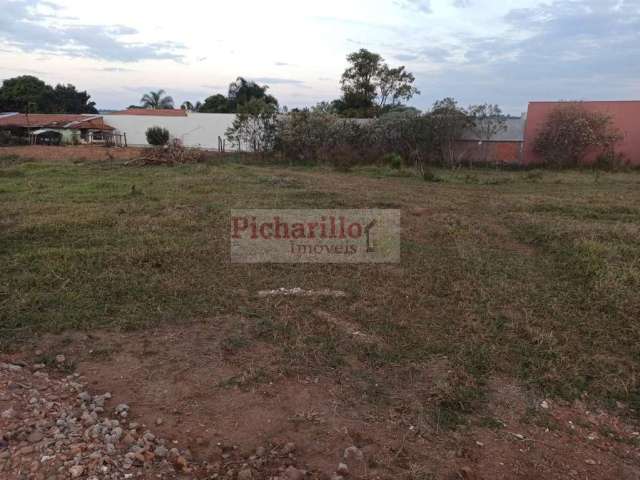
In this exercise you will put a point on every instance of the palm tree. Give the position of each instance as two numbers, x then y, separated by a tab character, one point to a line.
156	100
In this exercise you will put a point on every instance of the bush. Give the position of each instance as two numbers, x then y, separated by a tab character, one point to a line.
571	131
429	176
394	160
157	136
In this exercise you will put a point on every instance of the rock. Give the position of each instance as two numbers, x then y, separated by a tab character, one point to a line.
123	407
544	404
85	397
245	474
289	448
353	452
161	451
293	473
590	461
76	471
342	469
159	421
9	413
28	450
10	366
61	359
260	451
35	436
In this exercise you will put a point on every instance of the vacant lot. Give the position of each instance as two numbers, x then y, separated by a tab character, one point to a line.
515	290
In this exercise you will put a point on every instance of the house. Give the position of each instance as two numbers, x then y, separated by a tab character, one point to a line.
505	147
625	116
56	129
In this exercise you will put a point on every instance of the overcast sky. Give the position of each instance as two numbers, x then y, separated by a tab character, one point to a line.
499	51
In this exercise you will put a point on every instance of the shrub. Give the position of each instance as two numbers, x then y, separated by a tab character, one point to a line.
429	176
253	129
394	160
157	136
571	131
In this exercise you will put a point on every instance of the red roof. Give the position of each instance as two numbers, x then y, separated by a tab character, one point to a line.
45	120
151	112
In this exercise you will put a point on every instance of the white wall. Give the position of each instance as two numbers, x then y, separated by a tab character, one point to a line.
195	130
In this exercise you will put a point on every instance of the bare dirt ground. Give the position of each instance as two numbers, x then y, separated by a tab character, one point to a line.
208	399
74	153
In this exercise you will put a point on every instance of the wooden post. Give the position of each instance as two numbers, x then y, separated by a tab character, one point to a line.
124	135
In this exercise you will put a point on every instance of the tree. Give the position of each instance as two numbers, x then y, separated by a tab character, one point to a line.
359	80
254	127
242	91
157	136
25	93
215	104
488	121
191	107
370	86
448	121
30	94
324	107
395	85
67	99
157	100
571	131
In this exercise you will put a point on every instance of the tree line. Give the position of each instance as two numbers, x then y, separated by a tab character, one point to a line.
29	94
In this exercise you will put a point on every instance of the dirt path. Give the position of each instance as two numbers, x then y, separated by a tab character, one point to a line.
229	410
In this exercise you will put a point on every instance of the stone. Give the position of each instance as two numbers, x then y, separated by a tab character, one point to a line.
35	436
260	451
161	451
9	413
76	471
342	469
245	474
85	396
289	448
293	473
61	359
353	452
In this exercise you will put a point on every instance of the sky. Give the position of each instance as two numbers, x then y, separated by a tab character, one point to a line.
507	52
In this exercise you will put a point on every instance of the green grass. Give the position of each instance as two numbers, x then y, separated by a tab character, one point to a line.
529	275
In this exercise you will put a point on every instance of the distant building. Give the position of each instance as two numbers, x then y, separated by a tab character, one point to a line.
57	128
505	147
625	115
201	130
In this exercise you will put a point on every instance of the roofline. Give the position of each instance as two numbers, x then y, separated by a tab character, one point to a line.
88	119
584	101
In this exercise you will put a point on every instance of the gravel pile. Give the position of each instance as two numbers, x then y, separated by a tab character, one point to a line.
51	427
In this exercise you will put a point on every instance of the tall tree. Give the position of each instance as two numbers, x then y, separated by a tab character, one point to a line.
242	91
394	86
370	86
217	103
69	100
157	100
359	80
448	121
29	93
26	93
